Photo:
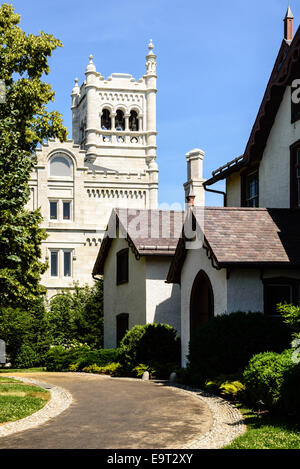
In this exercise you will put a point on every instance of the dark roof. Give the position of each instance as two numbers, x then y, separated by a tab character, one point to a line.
286	69
246	237
148	233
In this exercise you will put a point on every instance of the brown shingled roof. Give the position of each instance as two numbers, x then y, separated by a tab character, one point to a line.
148	233
247	236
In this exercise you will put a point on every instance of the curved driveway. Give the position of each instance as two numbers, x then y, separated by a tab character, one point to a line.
109	413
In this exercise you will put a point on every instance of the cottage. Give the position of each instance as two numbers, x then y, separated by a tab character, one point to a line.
250	257
134	259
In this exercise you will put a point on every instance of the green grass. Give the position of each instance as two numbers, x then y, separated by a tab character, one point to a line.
16	370
19	400
267	431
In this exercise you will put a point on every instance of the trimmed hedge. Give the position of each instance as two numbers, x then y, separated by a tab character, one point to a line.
225	344
154	345
60	359
274	379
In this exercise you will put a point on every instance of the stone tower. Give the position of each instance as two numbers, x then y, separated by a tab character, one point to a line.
109	163
114	120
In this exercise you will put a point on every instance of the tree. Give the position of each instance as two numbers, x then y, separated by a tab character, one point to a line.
24	123
77	316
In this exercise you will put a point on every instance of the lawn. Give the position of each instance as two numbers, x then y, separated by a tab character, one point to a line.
266	431
18	400
16	370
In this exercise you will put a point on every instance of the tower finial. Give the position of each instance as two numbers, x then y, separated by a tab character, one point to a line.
76	89
91	66
288	25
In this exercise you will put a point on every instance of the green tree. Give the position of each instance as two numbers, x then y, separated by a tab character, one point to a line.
24	123
77	316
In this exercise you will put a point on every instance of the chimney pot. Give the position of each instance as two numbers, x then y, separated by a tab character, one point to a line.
288	25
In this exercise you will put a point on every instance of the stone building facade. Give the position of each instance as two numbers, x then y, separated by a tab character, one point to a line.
110	162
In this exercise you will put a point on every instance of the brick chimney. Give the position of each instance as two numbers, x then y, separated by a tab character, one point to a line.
288	25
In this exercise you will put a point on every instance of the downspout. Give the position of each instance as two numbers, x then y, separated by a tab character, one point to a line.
217	192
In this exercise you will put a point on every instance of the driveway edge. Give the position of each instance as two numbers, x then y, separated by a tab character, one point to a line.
227	425
59	402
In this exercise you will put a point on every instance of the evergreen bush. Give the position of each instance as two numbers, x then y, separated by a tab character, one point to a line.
225	344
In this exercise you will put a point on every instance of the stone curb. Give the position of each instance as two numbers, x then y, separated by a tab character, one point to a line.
227	425
59	402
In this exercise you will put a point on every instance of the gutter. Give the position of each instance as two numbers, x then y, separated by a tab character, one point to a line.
217	192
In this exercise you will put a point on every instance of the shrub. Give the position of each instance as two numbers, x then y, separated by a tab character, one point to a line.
265	377
113	369
141	369
227	386
290	401
19	327
225	344
61	359
101	357
154	345
92	369
26	357
291	315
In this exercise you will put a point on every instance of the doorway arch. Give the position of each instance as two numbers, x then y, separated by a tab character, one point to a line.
201	302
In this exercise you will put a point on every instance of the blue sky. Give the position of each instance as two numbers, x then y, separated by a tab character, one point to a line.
214	60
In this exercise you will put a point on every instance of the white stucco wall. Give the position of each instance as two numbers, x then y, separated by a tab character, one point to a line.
163	299
245	291
195	261
233	190
127	298
274	169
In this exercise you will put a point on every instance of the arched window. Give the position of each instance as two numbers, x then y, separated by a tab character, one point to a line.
105	120
61	166
120	120
133	121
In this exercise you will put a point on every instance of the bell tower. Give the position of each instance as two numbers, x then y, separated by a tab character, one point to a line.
114	121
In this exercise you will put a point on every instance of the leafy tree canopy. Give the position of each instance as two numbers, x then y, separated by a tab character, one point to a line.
24	123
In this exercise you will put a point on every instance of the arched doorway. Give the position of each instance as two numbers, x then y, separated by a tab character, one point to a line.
201	303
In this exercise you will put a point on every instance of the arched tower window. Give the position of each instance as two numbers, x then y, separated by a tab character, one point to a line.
133	121
105	120
61	166
120	120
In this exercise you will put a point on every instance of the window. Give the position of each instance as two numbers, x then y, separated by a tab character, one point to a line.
60	210
67	263
120	120
54	263
133	121
53	210
67	210
122	266
280	290
61	263
105	120
295	176
250	192
60	166
122	327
